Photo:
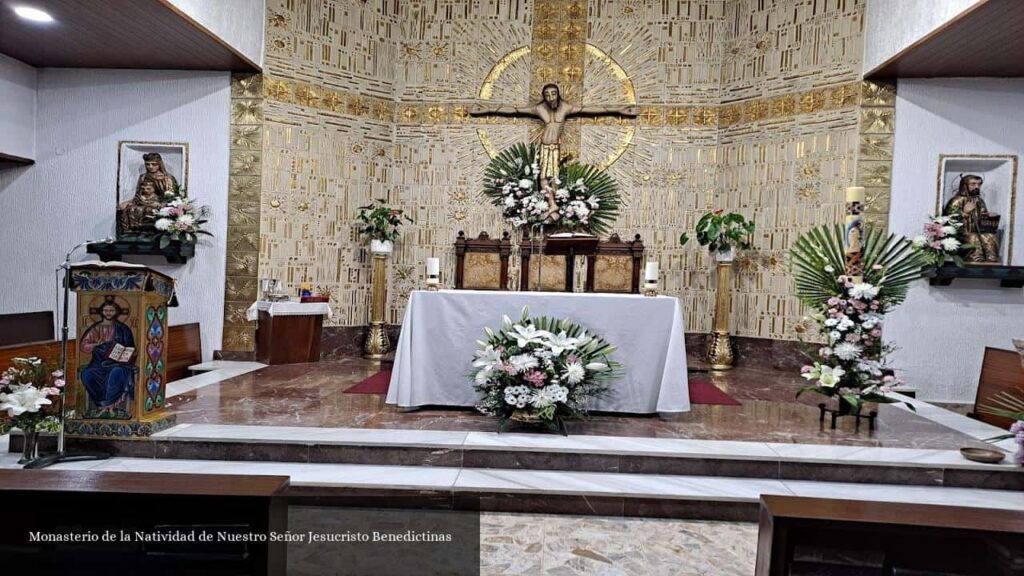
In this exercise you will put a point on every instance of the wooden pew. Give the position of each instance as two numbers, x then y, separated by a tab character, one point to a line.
799	536
184	341
131	507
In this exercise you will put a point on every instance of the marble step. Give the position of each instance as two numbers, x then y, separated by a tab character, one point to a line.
557	492
609	454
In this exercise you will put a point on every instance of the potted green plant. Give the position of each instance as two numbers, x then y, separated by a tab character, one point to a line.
380	224
722	233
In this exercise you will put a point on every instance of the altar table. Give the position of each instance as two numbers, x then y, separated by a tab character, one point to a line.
433	361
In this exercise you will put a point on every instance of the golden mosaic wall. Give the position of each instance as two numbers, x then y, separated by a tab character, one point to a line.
749	105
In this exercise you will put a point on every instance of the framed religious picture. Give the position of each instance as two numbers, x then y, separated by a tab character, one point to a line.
149	174
982	190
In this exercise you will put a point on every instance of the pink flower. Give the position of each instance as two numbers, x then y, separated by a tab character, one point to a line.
59	382
57	374
888	378
51	391
936	245
876	333
805	369
833	311
885	389
833	301
874	305
535	377
824	352
572	359
852	338
508	368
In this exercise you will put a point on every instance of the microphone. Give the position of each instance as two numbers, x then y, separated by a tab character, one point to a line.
107	240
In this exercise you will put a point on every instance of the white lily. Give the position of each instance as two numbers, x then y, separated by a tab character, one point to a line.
486	358
596	366
831	376
561	342
526	335
23	398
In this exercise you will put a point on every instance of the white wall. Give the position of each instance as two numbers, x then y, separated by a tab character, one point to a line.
893	25
237	22
69	195
17	108
943	331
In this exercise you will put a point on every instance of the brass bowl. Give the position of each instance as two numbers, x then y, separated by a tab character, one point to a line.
983	455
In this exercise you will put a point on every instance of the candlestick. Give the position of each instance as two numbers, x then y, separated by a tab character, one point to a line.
853	233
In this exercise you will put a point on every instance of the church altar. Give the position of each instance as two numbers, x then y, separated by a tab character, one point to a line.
440	329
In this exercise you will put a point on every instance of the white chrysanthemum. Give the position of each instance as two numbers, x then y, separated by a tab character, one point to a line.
510	201
526	184
949	230
847	351
864	291
831	322
844	325
920	241
950	244
574	373
833	335
163	224
523	362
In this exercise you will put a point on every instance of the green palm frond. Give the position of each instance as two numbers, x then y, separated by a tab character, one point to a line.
509	163
600	185
889	263
1005	404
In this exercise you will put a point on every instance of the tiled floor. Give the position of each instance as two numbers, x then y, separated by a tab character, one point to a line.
312	395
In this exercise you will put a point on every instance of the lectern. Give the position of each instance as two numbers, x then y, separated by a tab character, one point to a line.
120	365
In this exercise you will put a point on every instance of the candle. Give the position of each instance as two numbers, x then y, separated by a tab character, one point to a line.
855	194
433	266
651	271
853	233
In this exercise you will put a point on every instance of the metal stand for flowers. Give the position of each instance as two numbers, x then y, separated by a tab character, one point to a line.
845	409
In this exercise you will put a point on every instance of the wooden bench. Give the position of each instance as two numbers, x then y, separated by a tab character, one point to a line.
131	507
185	349
25	327
828	536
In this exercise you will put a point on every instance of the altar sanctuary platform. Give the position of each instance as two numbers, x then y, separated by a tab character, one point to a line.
712	462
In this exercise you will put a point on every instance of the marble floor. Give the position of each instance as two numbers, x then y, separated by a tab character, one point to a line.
312	395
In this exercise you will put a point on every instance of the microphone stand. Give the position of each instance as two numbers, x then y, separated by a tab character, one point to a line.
61	455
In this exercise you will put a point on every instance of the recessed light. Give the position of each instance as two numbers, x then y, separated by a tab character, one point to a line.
33	14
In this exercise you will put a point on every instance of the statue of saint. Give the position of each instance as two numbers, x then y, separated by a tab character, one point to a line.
155	170
135	216
980	227
553	111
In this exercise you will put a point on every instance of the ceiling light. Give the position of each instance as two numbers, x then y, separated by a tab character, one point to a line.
33	14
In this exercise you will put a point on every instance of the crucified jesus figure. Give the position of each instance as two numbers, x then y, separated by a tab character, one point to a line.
553	111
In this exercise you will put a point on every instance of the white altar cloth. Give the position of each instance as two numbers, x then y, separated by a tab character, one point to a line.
439	333
288	308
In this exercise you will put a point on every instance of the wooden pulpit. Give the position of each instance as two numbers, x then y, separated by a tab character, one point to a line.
120	362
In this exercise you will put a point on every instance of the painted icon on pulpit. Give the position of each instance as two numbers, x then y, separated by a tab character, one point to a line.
107	357
981	190
149	174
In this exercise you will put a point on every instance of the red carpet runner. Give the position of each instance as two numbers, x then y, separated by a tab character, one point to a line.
701	391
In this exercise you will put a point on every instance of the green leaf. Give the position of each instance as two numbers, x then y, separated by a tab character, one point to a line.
683	239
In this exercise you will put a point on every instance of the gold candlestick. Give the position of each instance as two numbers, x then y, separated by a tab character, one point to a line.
377	343
721	349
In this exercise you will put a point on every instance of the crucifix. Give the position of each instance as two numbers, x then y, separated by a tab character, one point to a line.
553	112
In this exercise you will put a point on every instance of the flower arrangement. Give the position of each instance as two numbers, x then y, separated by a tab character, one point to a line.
584	198
722	232
380	221
30	396
180	219
850	313
941	241
541	369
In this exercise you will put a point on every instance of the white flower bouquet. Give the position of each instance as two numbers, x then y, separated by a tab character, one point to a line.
29	395
180	219
849	311
541	369
941	241
584	198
